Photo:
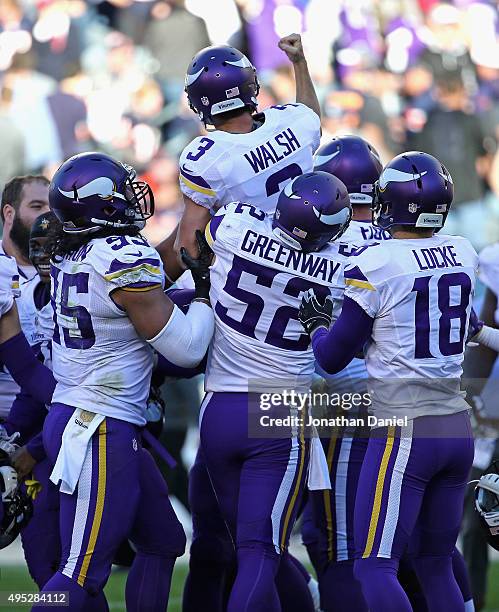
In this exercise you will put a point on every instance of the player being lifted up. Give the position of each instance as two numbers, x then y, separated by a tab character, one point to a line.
262	267
248	155
408	302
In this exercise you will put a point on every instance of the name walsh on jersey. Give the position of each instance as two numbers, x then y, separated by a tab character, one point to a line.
309	264
272	151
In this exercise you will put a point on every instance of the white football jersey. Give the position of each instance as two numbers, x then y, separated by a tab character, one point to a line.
99	361
257	284
489	272
363	232
358	233
37	318
419	293
221	167
12	279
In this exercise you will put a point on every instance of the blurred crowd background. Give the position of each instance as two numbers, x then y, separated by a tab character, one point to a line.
406	74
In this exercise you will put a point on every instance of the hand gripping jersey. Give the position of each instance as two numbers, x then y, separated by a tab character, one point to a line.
99	361
221	168
419	293
489	272
256	288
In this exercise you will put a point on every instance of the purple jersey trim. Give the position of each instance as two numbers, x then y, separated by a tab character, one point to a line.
193	178
355	273
117	265
215	224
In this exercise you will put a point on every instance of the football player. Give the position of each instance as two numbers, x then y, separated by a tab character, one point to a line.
40	538
408	301
24	198
110	311
248	156
261	268
357	164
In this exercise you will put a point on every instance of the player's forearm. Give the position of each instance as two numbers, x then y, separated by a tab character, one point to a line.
184	339
488	337
26	416
335	349
32	376
305	90
170	258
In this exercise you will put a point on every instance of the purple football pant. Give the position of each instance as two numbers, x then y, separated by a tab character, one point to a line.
411	487
40	538
120	494
212	560
334	511
258	484
310	535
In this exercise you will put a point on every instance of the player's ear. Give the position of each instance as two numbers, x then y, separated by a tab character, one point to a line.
8	213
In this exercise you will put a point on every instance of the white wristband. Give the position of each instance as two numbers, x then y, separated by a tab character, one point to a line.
489	337
184	339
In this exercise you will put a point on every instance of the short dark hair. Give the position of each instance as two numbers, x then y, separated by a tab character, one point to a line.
12	192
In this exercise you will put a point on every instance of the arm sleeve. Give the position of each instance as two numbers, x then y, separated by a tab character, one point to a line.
184	339
33	377
36	448
26	416
335	349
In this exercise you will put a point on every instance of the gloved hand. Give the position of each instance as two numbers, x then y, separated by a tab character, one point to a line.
200	266
314	313
7	442
475	326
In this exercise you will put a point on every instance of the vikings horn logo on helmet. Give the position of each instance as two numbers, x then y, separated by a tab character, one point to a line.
102	187
397	176
288	191
320	160
339	217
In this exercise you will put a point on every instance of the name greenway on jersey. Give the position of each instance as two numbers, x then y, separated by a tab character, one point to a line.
271	250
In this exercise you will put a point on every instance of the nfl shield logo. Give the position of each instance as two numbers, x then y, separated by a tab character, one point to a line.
205	101
413	207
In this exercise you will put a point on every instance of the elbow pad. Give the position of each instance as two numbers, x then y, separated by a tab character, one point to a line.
184	339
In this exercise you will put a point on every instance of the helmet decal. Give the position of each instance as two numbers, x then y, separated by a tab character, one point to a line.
320	160
288	191
103	187
339	217
191	78
392	175
240	63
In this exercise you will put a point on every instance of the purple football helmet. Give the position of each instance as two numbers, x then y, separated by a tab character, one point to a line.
92	190
415	190
313	209
355	162
220	79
